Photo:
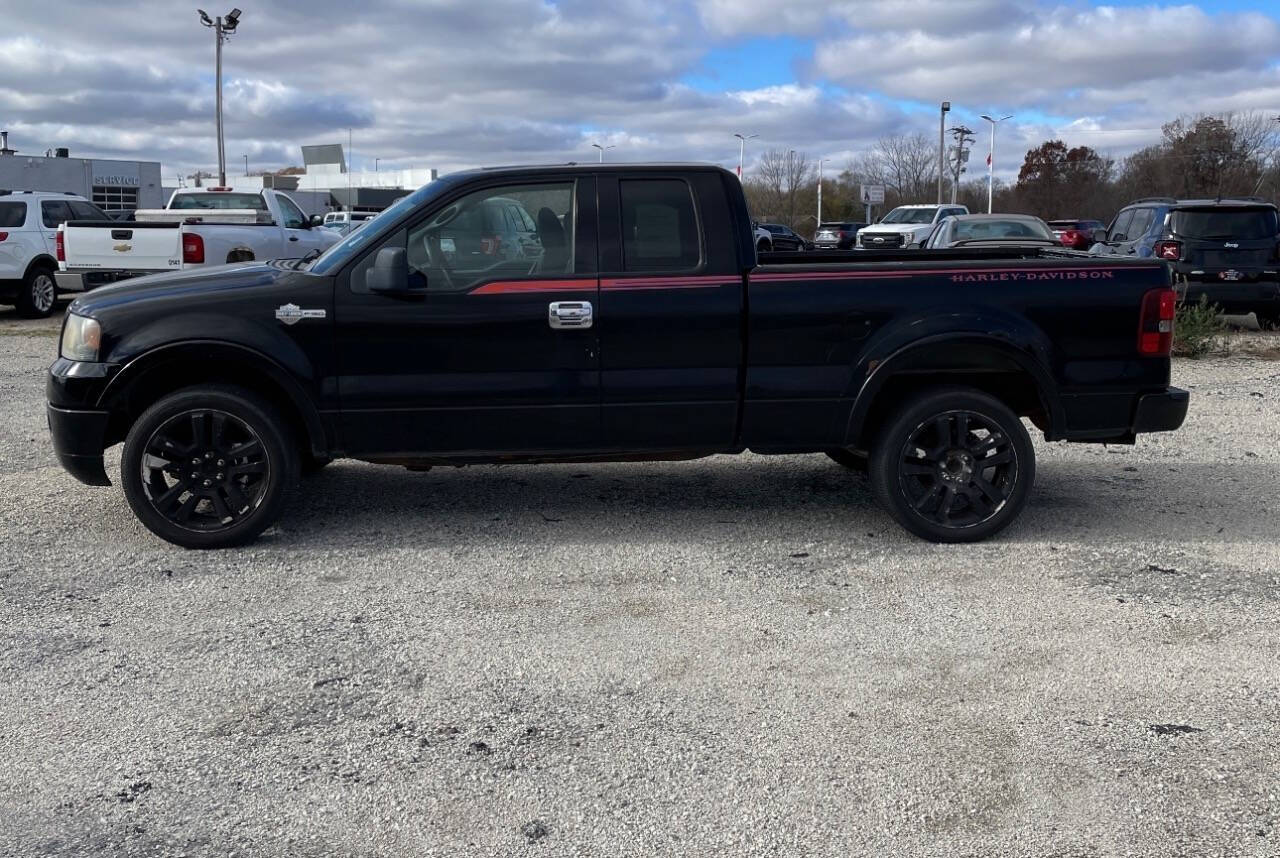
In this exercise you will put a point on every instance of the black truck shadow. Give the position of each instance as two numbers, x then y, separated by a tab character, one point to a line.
810	497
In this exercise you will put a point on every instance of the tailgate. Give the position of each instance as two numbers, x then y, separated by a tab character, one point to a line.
122	245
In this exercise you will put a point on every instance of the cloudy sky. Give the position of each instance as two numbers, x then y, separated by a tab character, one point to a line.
454	83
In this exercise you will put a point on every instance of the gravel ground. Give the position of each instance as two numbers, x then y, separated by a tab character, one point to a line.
736	656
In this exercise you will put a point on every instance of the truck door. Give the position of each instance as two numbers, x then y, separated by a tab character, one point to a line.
671	305
298	237
498	352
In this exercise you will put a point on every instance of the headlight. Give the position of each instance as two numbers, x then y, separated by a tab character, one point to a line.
81	338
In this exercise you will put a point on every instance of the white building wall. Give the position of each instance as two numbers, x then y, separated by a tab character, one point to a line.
81	175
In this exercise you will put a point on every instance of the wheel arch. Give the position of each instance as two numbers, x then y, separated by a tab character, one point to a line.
40	260
240	254
166	369
978	360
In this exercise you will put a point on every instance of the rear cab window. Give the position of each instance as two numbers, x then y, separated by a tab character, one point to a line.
13	215
660	229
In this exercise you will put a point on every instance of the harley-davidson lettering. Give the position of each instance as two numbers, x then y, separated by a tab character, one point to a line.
1006	276
292	314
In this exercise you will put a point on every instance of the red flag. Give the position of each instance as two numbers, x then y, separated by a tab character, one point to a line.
988	159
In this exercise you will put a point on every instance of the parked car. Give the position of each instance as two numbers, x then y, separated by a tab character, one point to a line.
762	237
644	329
905	227
199	227
338	220
782	237
1076	234
837	235
1226	250
992	230
29	222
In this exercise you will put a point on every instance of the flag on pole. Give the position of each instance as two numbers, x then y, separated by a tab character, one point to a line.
988	159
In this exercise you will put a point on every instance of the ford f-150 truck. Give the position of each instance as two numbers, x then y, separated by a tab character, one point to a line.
200	226
636	322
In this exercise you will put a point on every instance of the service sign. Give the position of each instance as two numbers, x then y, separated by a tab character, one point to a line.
116	174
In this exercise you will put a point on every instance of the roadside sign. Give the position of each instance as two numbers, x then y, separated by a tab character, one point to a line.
873	195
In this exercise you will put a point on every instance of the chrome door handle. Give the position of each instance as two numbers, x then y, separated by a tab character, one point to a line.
563	315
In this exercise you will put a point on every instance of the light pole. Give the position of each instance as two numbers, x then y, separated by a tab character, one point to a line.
991	157
742	146
222	30
942	146
375	164
821	161
602	148
246	165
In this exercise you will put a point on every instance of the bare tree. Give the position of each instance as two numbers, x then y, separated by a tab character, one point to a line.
778	185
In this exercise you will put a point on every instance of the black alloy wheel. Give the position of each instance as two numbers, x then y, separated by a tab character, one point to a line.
208	467
954	466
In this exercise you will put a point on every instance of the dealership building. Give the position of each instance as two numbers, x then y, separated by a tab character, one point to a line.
112	185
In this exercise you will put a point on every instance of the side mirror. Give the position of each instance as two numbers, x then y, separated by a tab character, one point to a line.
315	220
389	273
1119	236
1099	236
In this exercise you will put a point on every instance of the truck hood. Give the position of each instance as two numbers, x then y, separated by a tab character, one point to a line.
181	285
896	228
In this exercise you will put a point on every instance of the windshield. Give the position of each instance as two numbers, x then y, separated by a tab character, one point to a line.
219	201
969	230
371	230
1247	224
905	215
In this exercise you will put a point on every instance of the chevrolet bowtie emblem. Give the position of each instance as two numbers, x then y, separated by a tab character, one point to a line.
122	248
291	314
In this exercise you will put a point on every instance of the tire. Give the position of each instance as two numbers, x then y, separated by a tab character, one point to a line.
38	294
763	247
933	485
209	466
849	460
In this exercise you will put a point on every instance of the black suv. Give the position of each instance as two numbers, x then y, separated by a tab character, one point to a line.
784	238
1225	249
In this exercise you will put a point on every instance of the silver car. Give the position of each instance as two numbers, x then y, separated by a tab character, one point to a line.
991	230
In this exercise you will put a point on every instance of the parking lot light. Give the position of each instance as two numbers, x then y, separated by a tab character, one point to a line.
742	145
991	157
222	30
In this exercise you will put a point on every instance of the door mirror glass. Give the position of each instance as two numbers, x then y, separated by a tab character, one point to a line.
390	272
316	220
1099	236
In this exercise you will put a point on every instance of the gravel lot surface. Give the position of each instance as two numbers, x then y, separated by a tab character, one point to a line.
736	656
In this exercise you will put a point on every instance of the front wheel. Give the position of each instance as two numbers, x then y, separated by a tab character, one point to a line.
208	467
953	465
37	294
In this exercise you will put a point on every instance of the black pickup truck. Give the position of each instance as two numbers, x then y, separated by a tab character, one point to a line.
604	313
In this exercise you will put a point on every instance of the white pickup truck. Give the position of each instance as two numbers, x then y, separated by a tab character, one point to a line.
199	226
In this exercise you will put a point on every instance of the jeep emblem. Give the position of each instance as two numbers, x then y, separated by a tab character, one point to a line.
1230	244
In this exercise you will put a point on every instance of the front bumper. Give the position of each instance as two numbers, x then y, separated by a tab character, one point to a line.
78	438
1161	412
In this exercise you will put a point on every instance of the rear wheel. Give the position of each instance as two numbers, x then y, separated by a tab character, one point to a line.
953	465
208	467
37	295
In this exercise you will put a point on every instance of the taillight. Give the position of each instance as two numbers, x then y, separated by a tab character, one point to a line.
1171	250
192	249
4	236
1155	322
60	247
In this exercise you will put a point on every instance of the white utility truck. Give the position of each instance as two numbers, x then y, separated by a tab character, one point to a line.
199	226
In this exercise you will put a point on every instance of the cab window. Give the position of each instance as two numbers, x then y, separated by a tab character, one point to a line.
292	215
659	226
54	212
484	237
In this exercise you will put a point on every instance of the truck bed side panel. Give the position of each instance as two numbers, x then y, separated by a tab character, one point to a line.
817	335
